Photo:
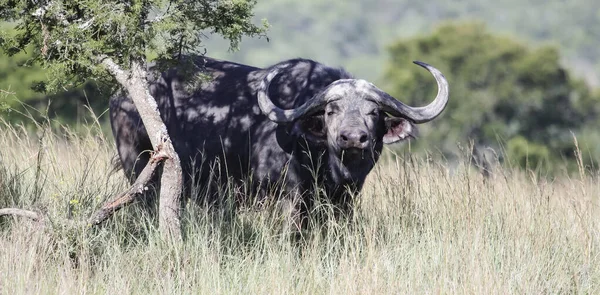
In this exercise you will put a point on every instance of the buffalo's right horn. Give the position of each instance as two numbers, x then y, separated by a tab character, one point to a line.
279	115
416	114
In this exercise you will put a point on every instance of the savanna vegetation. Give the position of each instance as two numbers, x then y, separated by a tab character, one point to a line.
523	88
419	227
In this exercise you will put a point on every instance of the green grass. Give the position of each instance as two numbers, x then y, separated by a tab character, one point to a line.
419	227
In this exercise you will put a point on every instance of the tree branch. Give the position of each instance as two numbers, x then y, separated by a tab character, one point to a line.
121	75
134	192
134	82
21	212
109	208
159	18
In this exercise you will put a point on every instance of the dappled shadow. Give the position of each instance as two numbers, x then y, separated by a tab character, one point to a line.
211	110
217	117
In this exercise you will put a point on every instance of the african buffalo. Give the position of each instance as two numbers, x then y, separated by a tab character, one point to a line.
297	123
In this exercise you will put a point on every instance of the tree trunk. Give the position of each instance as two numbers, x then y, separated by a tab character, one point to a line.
136	84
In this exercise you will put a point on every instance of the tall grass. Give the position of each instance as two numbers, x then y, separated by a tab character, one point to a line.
419	227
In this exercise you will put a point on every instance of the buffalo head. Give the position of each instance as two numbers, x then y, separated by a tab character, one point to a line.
353	119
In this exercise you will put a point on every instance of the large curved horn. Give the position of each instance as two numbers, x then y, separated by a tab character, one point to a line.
417	114
387	102
279	115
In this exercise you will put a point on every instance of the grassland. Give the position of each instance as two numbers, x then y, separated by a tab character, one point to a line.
420	227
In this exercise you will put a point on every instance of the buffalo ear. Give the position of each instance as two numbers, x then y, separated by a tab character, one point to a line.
398	129
312	128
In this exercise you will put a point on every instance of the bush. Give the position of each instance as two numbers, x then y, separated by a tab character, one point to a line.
501	91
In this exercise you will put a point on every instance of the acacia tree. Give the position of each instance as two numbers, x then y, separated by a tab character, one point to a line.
111	41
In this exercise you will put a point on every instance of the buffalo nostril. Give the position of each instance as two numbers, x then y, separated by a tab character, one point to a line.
344	137
363	138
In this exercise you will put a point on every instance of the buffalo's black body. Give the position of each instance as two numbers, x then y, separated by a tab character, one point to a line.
219	129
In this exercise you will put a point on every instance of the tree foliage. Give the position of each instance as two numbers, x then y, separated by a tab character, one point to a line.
70	36
24	99
502	92
51	48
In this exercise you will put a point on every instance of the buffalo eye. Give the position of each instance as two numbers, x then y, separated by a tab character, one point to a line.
373	113
314	126
330	113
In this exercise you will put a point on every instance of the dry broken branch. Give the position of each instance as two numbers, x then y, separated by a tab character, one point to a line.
21	212
109	208
136	190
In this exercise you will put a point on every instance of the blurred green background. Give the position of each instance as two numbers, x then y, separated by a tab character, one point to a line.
524	75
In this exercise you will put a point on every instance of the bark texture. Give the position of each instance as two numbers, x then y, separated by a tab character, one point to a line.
135	83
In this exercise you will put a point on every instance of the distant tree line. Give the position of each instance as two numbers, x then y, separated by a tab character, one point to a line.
355	34
520	101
